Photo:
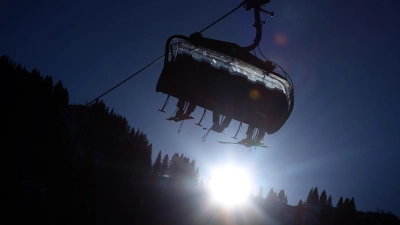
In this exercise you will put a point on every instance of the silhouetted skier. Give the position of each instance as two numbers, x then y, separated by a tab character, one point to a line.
217	127
181	112
249	138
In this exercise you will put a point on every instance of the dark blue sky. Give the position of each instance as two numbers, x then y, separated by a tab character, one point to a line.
343	56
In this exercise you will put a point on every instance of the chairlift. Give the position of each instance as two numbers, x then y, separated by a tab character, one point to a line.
226	78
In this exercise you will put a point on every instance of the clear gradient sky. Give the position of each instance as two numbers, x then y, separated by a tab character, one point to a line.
343	56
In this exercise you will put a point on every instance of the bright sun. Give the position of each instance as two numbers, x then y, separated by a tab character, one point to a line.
229	186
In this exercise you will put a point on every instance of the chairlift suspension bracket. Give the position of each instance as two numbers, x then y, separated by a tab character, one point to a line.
166	103
201	119
256	5
240	126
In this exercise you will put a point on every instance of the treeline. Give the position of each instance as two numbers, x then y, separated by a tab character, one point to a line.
74	164
321	206
272	196
180	169
318	209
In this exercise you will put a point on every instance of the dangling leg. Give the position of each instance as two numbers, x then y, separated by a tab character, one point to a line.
215	127
216	117
249	135
190	109
225	123
180	105
260	135
250	131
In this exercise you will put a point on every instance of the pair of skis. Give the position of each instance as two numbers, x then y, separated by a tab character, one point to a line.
247	144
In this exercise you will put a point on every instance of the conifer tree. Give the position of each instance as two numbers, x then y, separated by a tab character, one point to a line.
164	165
157	165
329	202
352	204
325	215
339	205
352	211
173	162
281	196
329	208
260	192
300	203
339	211
315	196
309	197
271	196
285	200
322	199
346	203
183	171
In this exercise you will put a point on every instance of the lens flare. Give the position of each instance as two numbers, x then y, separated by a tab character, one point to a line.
254	94
280	39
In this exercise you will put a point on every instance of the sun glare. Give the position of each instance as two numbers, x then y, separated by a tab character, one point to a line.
229	186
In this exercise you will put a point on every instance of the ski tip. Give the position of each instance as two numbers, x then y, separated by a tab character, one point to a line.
177	119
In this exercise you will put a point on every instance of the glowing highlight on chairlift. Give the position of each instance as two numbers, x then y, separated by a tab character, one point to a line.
235	66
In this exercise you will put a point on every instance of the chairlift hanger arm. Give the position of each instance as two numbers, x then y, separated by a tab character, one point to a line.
258	25
256	5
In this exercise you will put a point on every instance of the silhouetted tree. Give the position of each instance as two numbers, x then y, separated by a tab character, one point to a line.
322	199
173	162
326	213
164	165
346	203
260	192
339	205
281	196
329	208
352	205
300	203
315	197
309	197
329	202
157	165
349	211
183	171
271	196
339	212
